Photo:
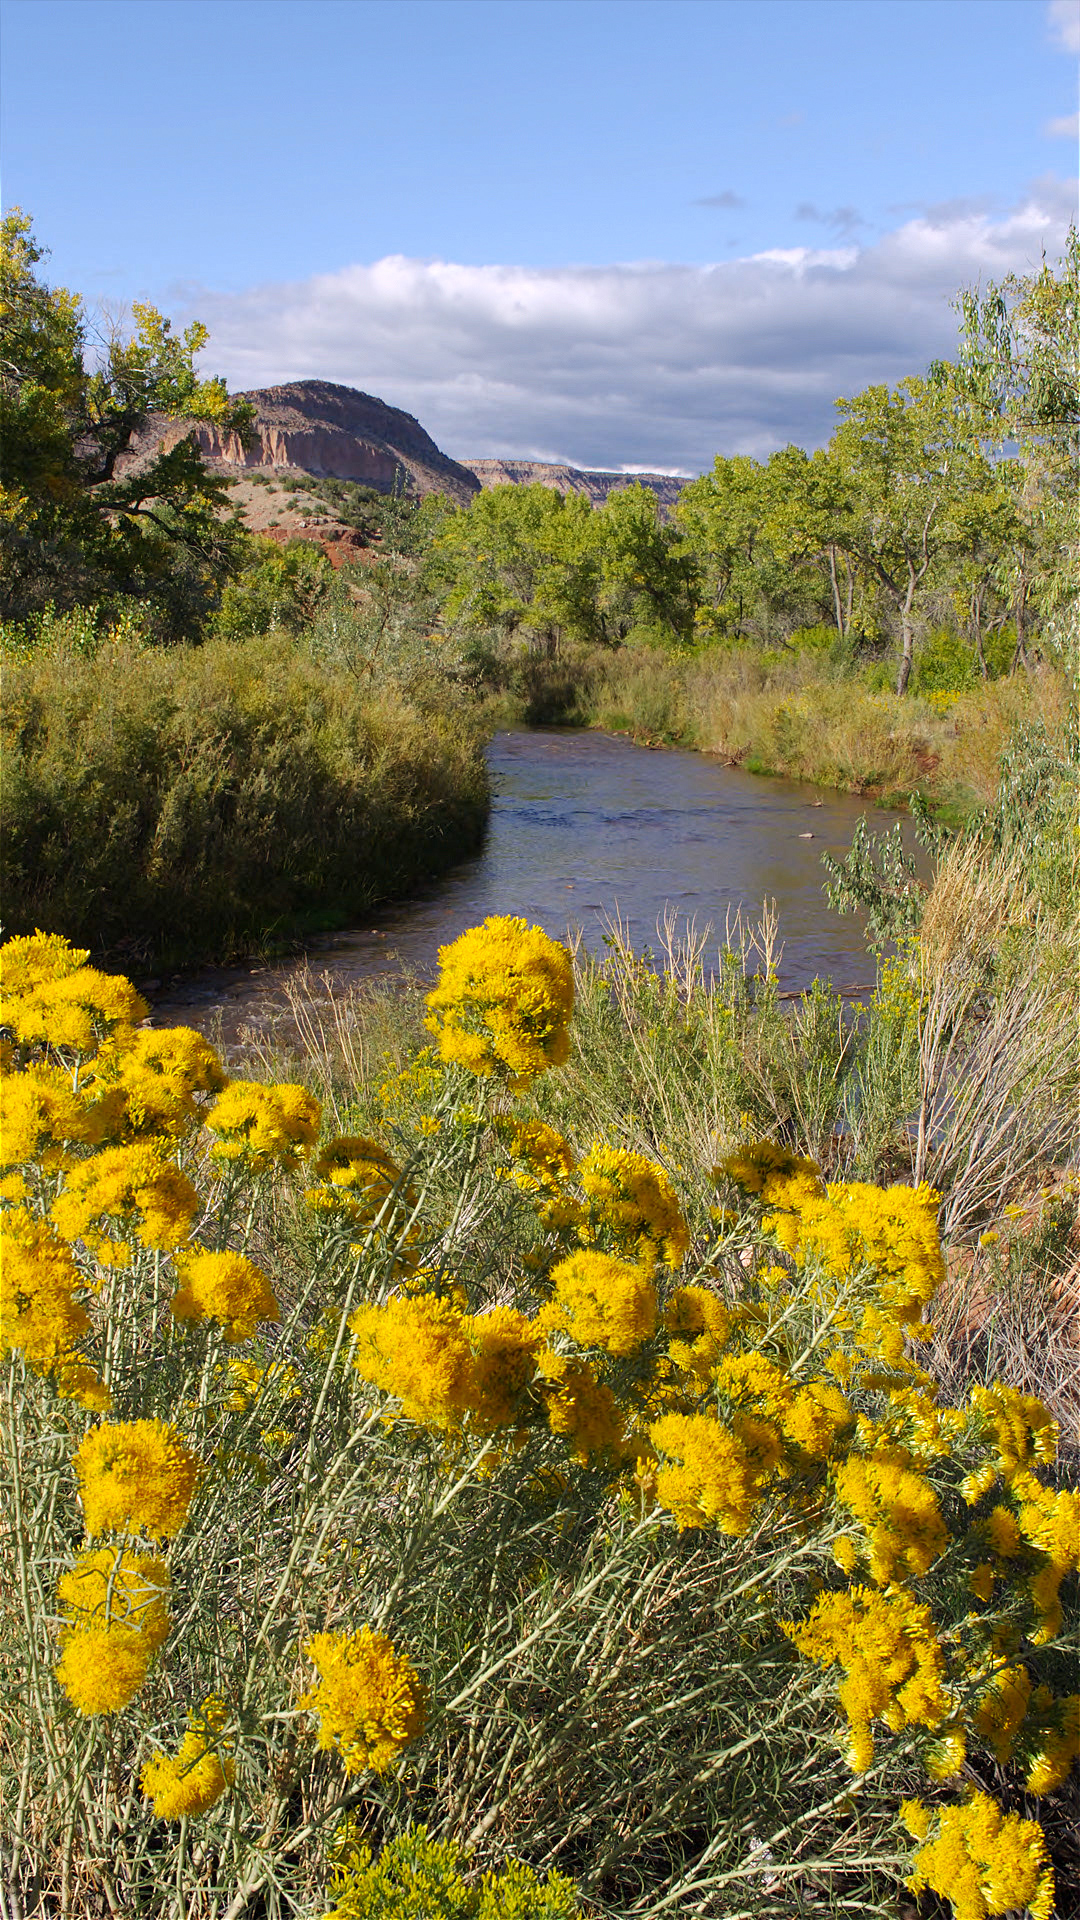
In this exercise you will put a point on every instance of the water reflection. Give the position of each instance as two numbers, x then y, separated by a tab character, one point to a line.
585	827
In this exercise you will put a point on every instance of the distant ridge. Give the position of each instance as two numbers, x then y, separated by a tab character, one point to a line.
319	427
595	483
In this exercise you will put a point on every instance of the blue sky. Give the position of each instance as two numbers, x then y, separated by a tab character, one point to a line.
616	231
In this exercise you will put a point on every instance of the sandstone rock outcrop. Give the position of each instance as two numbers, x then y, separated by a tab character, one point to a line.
318	427
527	473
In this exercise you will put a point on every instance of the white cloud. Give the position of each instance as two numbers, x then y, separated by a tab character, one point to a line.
1063	17
1067	128
646	365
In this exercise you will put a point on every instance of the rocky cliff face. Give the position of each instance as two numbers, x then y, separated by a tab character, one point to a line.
320	428
527	473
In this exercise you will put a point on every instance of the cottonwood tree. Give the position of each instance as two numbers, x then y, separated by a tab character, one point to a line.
71	528
905	456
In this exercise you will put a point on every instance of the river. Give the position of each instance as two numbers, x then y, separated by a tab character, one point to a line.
586	826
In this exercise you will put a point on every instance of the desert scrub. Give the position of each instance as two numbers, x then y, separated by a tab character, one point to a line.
579	1530
188	803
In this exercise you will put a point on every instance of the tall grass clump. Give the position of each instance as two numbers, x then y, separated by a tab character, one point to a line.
188	803
473	1515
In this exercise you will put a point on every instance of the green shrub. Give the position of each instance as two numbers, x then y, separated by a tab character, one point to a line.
191	802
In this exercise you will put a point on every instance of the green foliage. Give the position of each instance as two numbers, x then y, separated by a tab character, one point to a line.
418	1878
71	530
280	589
943	664
185	803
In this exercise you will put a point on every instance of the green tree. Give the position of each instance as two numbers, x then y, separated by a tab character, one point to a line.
648	571
905	457
523	561
1019	370
71	529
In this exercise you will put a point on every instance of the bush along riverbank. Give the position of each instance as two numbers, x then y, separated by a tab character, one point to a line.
166	805
593	1454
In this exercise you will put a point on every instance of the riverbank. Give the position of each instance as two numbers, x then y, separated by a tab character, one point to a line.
792	713
169	806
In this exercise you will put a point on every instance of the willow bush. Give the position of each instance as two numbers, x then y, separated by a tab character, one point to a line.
188	803
458	1522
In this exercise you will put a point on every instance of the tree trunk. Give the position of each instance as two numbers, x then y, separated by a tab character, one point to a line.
838	605
907	637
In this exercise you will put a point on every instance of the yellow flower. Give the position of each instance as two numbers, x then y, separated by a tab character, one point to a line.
1023	1432
1055	1743
1050	1522
504	1000
133	1189
77	1011
1000	1711
226	1287
115	1620
504	1352
899	1509
39	1117
135	1474
761	1165
263	1125
632	1199
710	1475
159	1076
194	1780
417	1349
893	1667
39	1314
34	960
101	1670
580	1408
602	1302
694	1311
985	1861
357	1178
369	1699
121	1590
544	1158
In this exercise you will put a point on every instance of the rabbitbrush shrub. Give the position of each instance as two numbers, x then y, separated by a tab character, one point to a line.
452	1523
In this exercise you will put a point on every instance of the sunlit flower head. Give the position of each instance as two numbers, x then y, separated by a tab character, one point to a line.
160	1076
135	1475
75	1013
126	1190
39	1313
187	1784
981	1859
369	1700
504	1000
226	1287
264	1126
356	1178
632	1200
601	1301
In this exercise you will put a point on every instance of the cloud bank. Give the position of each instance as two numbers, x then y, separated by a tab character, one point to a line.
647	365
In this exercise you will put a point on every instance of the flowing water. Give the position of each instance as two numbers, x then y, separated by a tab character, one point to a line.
586	827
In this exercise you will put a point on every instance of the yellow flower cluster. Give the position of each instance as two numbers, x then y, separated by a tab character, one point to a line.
135	1474
41	1117
581	1409
982	1860
227	1287
708	1476
40	1316
125	1190
503	1001
115	1619
74	1013
893	1665
632	1200
1023	1435
369	1700
900	1512
442	1364
195	1777
263	1126
601	1302
543	1158
159	1077
356	1178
